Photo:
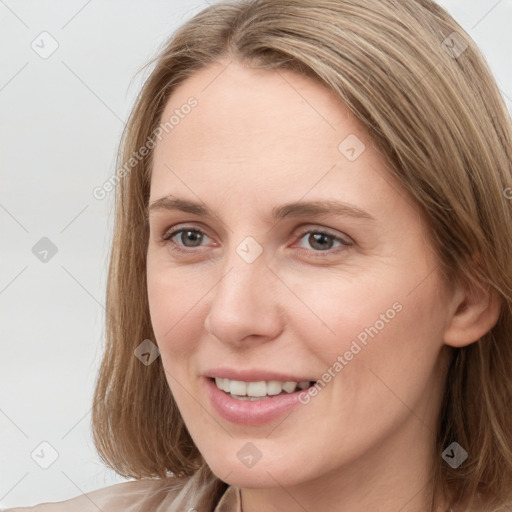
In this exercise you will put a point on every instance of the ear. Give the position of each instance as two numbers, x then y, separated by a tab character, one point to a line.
476	310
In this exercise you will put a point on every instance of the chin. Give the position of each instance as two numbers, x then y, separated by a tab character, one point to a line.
260	477
281	470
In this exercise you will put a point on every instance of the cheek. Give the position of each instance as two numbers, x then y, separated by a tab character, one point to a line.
376	325
344	309
175	308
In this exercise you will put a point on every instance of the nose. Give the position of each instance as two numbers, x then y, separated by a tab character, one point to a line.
245	304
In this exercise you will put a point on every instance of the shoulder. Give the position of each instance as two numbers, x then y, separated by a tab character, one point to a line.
115	498
201	491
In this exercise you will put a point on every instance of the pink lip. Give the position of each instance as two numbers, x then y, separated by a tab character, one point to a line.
247	412
253	375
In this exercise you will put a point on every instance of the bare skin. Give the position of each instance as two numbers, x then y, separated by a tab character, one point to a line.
258	139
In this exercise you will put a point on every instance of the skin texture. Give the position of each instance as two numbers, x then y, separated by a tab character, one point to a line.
258	139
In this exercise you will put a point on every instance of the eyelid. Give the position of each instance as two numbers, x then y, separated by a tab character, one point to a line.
183	226
172	231
342	237
344	240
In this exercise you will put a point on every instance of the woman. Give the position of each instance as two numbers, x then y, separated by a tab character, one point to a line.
310	283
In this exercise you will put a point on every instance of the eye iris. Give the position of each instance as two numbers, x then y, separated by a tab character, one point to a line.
320	241
193	236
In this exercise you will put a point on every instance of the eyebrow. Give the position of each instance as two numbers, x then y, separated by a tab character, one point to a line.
295	209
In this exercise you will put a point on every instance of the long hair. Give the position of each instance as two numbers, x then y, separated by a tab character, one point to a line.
423	90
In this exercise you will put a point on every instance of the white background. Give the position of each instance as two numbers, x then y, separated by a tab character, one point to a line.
61	120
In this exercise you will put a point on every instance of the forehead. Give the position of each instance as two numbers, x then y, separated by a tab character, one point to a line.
229	82
258	139
253	124
244	109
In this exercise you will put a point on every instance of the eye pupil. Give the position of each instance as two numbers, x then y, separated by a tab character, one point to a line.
193	236
320	241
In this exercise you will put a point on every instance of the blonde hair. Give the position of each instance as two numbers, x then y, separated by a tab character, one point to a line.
432	106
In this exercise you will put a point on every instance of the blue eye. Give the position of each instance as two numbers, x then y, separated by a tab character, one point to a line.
187	237
316	241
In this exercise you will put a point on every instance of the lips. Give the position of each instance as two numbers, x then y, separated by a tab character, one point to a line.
256	375
254	397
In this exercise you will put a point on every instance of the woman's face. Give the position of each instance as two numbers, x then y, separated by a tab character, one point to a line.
292	257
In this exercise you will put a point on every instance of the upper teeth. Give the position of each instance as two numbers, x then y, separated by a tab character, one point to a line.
261	388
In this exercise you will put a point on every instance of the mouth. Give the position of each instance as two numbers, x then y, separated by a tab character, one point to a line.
260	390
243	397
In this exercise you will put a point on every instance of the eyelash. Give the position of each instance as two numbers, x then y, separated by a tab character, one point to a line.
168	235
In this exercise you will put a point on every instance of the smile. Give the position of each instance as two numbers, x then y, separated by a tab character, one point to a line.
261	390
253	402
